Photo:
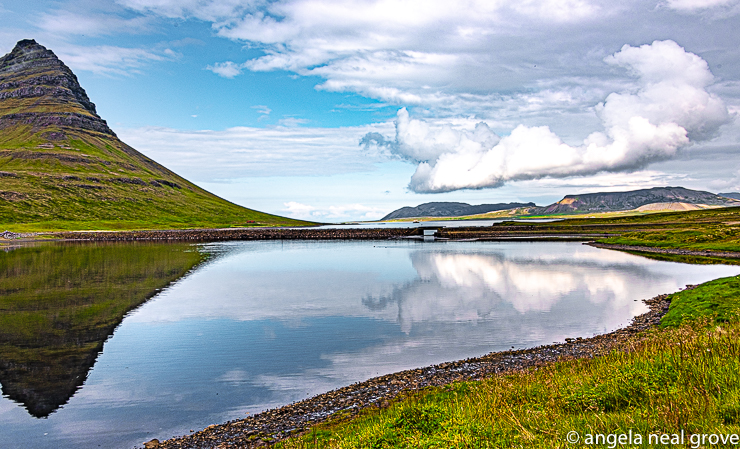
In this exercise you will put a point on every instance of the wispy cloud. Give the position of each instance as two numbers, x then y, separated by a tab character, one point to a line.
241	152
694	5
262	109
419	52
295	209
64	23
292	122
111	60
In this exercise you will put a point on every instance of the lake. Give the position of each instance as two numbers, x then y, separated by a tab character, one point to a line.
111	345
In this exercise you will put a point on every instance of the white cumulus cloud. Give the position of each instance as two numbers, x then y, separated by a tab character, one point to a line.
669	109
227	69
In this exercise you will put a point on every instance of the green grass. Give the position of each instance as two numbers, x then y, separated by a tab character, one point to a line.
684	376
718	299
710	237
93	181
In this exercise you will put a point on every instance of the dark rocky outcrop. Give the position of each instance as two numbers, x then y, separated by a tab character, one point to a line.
450	209
36	79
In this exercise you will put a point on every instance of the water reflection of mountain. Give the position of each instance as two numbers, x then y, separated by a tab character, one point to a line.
59	303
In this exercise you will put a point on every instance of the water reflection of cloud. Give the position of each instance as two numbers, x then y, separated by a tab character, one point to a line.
454	286
234	377
452	282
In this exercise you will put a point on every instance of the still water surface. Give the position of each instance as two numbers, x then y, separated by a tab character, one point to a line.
262	324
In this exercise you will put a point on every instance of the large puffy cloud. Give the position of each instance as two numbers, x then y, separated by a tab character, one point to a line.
669	109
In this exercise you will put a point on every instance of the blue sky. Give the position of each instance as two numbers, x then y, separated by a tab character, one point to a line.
265	103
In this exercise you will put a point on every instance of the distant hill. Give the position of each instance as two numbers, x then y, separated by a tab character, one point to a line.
62	167
733	195
450	209
675	198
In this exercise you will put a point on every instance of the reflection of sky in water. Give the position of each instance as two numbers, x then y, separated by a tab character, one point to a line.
267	323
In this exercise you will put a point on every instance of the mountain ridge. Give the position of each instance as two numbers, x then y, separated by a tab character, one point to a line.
632	199
450	209
642	200
62	167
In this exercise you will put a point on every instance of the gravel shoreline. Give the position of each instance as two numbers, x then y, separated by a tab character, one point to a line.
673	251
274	425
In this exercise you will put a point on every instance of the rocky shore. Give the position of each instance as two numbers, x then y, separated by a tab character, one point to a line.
671	251
212	235
274	425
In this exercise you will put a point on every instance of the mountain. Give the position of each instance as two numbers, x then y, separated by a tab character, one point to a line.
677	198
448	209
733	195
60	303
62	167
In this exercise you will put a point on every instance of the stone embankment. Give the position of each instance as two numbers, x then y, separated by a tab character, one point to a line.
309	233
212	235
274	425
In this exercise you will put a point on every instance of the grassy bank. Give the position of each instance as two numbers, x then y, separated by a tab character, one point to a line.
682	376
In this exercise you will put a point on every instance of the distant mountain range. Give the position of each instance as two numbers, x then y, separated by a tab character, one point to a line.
677	198
657	198
448	209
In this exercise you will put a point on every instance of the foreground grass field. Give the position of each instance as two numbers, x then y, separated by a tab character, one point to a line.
683	377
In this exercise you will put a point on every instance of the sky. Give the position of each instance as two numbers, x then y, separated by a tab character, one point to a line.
347	110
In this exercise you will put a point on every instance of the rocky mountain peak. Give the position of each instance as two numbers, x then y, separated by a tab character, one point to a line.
34	80
617	201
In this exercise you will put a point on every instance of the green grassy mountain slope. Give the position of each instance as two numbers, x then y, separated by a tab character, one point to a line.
62	167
